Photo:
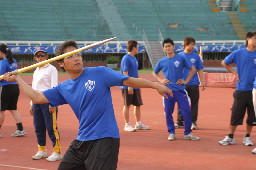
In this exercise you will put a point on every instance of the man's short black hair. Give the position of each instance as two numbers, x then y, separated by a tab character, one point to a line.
168	40
131	44
249	35
63	46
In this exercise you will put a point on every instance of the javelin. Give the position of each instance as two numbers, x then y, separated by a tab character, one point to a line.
58	57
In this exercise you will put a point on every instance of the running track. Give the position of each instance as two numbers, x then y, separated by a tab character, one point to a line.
141	150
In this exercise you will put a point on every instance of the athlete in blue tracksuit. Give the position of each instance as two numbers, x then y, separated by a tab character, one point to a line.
192	87
173	66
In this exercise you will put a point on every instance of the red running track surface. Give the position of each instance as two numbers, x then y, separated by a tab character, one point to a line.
141	150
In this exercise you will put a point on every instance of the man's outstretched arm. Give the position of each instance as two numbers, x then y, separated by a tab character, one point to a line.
142	83
36	97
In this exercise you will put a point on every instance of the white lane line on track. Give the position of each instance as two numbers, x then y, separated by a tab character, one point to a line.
22	167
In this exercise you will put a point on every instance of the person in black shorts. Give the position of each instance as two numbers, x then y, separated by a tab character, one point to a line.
9	91
132	96
246	67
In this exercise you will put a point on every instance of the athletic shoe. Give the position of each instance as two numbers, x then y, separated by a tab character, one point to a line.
54	157
179	125
129	128
40	155
254	151
141	127
18	133
247	141
191	137
193	126
171	136
227	141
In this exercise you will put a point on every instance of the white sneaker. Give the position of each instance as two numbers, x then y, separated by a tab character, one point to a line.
40	155
247	141
171	136
193	126
254	151
18	133
141	127
191	137
227	141
54	157
129	128
179	125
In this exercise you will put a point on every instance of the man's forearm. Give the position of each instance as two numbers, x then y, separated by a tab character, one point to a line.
140	83
156	76
191	73
201	75
36	97
228	67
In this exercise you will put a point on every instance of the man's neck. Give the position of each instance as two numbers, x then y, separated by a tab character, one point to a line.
187	51
131	54
250	48
171	55
75	75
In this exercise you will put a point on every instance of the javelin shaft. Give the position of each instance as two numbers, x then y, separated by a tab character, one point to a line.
59	57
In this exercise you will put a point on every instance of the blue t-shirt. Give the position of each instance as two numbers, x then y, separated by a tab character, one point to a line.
197	63
5	67
173	69
129	64
90	98
246	67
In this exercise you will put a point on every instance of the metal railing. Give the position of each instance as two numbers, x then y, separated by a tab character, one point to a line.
147	47
161	39
41	43
235	5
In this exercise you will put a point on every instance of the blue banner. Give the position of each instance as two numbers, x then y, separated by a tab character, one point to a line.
123	48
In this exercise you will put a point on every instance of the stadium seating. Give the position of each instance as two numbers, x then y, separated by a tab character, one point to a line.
248	18
83	20
52	20
176	19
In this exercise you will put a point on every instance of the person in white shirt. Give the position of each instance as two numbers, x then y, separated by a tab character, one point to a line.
45	116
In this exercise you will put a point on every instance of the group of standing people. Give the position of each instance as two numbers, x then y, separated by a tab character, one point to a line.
97	147
45	116
180	71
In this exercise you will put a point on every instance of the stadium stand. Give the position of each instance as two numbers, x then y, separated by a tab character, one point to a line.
52	20
193	18
246	13
58	20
